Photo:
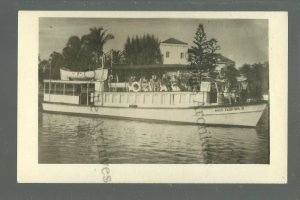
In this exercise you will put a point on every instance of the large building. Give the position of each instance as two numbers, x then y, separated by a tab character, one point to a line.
174	52
175	55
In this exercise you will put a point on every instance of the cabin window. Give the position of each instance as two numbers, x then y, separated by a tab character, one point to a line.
59	89
69	89
46	87
83	88
181	55
91	87
167	54
52	88
77	89
213	93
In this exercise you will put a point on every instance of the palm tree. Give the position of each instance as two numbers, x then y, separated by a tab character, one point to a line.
94	42
117	56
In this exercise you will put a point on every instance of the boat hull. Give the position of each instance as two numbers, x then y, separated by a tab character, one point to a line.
241	115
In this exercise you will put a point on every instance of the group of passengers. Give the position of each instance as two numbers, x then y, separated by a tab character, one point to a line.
163	84
180	82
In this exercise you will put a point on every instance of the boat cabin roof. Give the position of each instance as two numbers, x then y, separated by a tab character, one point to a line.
70	82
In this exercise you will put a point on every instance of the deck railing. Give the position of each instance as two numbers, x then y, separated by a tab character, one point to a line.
118	94
170	98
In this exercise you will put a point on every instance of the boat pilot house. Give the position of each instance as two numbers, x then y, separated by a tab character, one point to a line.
73	92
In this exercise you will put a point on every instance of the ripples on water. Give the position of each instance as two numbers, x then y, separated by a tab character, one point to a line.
76	139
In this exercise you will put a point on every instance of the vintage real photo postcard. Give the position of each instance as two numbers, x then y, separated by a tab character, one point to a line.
152	97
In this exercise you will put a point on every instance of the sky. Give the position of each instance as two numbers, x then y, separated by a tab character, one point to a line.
241	40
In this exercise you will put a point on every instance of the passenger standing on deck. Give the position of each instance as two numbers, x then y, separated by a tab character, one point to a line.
244	90
174	83
110	80
144	84
156	84
117	78
190	83
213	93
130	81
164	83
227	93
151	83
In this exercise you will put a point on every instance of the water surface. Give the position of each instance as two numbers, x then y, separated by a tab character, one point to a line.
80	139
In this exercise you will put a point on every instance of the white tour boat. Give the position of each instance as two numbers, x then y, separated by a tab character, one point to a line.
76	95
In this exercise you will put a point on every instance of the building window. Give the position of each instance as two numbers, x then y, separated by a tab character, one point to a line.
167	54
181	55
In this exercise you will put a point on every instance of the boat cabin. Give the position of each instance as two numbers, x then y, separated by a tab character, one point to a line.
70	92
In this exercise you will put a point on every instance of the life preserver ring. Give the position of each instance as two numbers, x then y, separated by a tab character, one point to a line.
135	87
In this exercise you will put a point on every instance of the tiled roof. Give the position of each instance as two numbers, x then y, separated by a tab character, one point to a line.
220	58
155	66
173	41
223	59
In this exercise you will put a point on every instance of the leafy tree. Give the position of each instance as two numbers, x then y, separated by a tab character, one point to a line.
258	78
203	53
56	62
142	50
72	53
43	65
231	74
94	41
79	54
49	69
43	70
264	76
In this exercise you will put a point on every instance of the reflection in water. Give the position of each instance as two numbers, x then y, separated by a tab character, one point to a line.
74	139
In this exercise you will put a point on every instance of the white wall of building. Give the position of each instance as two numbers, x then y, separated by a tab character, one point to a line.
178	53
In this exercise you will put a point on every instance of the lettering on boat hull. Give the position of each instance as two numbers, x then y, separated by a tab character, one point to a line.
228	109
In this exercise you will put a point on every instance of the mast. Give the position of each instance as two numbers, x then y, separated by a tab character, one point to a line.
50	74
